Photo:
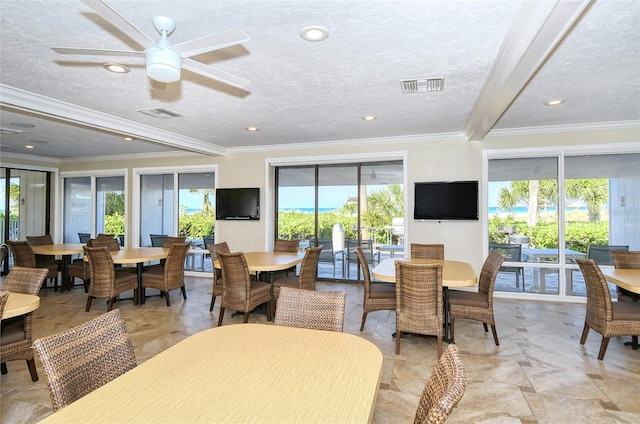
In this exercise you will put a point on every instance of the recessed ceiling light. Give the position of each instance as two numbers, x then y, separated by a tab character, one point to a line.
554	102
127	138
314	33
28	146
252	129
369	118
116	67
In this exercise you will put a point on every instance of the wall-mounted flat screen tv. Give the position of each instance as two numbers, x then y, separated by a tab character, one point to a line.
445	200
238	203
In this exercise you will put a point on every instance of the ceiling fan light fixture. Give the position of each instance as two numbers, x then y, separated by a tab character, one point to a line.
116	68
163	65
314	33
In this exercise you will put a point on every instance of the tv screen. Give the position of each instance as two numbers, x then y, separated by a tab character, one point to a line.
446	200
238	203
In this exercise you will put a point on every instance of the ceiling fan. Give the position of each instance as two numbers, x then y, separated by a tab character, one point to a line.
164	62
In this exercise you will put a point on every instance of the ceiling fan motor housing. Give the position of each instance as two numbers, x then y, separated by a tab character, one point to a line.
163	65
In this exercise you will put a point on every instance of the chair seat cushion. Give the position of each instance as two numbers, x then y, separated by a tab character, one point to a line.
465	298
258	287
12	332
382	291
289	281
627	311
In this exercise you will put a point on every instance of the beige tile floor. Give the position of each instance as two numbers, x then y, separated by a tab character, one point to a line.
538	374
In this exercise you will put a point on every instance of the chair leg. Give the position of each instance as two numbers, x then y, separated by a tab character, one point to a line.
495	335
603	348
452	326
135	297
221	315
184	292
143	295
486	329
168	298
398	337
269	311
111	302
3	368
213	301
31	364
89	299
439	345
246	317
85	283
364	319
585	332
634	342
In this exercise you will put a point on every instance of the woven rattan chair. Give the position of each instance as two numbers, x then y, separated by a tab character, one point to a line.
106	280
84	358
317	310
603	316
218	287
289	246
4	296
419	303
23	256
16	333
40	241
240	293
444	389
427	251
377	296
308	273
170	276
478	306
626	260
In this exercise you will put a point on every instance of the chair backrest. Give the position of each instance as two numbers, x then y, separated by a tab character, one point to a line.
427	251
511	252
86	357
419	304
101	270
170	241
444	389
157	240
174	265
25	280
84	237
291	246
489	273
40	240
213	251
626	259
207	240
317	310
309	268
602	254
4	253
108	242
365	245
236	280
599	307
365	270
4	296
22	254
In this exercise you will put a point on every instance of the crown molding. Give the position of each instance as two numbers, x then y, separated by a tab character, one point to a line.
45	106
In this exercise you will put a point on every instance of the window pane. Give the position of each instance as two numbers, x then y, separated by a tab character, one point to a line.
77	208
156	206
110	206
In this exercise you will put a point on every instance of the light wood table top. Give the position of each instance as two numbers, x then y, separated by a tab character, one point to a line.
454	273
626	278
269	261
243	373
136	255
58	249
20	304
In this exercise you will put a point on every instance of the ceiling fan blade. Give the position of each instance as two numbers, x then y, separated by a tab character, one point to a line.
211	42
95	52
119	21
216	74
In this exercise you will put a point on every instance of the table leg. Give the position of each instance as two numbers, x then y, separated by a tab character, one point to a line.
65	284
273	300
447	319
140	299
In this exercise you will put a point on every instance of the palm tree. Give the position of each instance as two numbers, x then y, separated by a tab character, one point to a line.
594	192
207	208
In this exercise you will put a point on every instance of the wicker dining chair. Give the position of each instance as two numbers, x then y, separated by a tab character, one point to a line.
218	287
40	241
79	360
377	296
79	268
240	292
427	251
4	296
444	389
170	276
23	256
16	333
478	306
106	280
289	246
603	316
308	273
419	303
626	260
316	310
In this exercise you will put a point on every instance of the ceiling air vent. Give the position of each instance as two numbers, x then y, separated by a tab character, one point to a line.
7	131
422	85
160	113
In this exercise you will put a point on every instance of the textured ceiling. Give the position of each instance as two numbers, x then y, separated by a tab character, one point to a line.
302	92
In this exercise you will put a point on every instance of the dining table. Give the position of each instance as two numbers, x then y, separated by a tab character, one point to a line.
454	274
65	251
243	373
269	262
138	256
628	279
20	304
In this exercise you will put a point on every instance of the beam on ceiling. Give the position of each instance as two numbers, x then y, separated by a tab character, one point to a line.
537	29
45	106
